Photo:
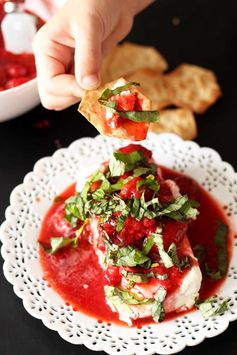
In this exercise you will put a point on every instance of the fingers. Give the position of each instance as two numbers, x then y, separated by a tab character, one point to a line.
60	92
57	90
120	32
58	103
88	54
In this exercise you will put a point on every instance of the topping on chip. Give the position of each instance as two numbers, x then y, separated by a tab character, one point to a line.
128	58
193	87
180	121
154	86
119	109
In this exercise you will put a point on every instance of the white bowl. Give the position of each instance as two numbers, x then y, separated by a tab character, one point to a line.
16	101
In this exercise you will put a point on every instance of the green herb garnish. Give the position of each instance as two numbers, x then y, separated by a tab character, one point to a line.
57	243
201	253
181	264
123	300
158	312
208	308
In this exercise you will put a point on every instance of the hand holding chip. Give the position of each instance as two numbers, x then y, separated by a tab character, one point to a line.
70	47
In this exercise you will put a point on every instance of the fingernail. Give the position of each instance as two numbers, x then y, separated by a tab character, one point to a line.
90	82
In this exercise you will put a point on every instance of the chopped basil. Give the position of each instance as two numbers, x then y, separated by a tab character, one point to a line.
122	218
108	93
123	300
57	243
115	297
100	193
208	308
140	116
166	259
135	207
150	182
137	277
181	264
142	171
116	166
201	253
125	256
148	243
186	262
98	175
74	210
126	296
156	239
112	105
180	208
119	184
158	312
130	256
131	160
221	242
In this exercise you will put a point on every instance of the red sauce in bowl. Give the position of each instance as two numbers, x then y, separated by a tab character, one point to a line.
76	275
15	69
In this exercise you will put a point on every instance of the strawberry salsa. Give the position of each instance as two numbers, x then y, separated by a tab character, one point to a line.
124	109
15	69
123	248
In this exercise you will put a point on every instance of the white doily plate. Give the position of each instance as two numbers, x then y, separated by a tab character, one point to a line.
19	234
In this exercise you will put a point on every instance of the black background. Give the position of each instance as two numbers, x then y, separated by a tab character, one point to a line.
207	36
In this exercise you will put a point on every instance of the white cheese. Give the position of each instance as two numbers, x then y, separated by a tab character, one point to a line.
119	83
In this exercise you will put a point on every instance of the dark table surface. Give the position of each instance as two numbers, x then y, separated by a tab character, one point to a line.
206	35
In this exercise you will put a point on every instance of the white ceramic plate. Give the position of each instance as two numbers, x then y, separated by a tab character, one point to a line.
19	234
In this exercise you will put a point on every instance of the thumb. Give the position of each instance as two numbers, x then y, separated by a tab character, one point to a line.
88	55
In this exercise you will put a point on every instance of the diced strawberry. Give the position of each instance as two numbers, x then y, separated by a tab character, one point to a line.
125	175
113	275
109	227
134	231
15	70
129	190
136	147
138	105
95	185
125	102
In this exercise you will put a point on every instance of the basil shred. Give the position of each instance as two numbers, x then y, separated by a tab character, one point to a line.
136	116
105	201
220	240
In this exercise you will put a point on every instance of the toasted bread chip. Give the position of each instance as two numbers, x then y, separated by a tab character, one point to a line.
129	57
180	121
193	87
96	114
153	85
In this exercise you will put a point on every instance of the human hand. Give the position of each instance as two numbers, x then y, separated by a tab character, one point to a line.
69	48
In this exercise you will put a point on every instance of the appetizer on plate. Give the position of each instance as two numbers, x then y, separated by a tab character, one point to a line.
119	109
126	247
